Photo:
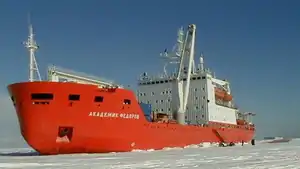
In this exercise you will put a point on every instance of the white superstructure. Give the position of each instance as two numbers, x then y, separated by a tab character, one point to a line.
189	91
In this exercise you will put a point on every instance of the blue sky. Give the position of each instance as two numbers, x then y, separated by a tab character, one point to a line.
254	44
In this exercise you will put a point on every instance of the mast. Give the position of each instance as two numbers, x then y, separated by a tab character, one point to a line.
181	92
174	56
32	46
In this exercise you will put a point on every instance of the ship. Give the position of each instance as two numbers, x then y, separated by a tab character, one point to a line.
72	112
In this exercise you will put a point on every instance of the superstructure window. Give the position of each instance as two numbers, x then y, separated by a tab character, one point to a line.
41	96
98	99
74	97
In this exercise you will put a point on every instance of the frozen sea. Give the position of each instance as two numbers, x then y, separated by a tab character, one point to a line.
260	156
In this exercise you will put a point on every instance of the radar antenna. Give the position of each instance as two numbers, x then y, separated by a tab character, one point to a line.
32	46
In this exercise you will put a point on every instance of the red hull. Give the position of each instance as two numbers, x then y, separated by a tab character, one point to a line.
117	131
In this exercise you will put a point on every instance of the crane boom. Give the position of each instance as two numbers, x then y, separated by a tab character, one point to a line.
181	92
60	74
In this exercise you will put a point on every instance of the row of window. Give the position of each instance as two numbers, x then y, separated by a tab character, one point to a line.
169	100
171	115
170	80
72	97
169	109
168	91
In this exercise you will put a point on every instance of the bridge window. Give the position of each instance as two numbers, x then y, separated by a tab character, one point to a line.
41	96
98	99
74	97
127	101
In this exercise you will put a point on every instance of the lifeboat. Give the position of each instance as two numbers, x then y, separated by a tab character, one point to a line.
223	95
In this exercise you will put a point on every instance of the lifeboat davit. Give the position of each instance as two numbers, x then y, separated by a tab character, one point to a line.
223	95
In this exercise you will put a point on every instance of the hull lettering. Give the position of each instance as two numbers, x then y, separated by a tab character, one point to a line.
114	115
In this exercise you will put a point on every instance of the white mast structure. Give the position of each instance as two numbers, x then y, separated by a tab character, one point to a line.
175	55
32	46
180	92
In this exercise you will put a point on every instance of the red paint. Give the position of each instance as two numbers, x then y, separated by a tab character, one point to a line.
41	120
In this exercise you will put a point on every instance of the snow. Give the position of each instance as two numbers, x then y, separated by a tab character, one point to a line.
260	156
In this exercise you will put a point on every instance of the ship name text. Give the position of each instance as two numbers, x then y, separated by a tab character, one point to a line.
115	115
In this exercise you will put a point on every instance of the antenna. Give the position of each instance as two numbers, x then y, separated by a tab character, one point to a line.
201	63
32	46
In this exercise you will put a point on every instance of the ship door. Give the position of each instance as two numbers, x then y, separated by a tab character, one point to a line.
64	135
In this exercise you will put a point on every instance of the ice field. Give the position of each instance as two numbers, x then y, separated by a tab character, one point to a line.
260	156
